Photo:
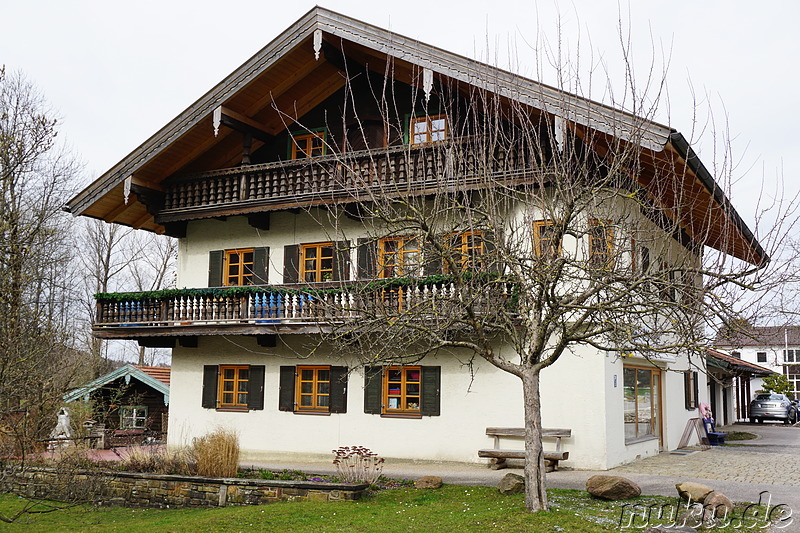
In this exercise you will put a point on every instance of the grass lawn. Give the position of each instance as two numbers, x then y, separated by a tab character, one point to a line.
453	508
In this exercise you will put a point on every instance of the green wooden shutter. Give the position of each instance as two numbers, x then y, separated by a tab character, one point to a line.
255	394
373	385
260	265
291	263
215	260
366	259
286	391
431	385
210	375
341	260
338	398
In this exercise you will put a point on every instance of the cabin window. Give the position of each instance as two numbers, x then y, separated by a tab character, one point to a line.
316	262
133	417
307	145
233	387
399	257
428	129
313	389
239	267
546	242
601	244
402	391
642	402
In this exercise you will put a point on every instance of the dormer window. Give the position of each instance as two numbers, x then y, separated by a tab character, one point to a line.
308	145
428	129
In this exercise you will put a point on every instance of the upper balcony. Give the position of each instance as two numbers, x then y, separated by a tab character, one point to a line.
453	165
301	308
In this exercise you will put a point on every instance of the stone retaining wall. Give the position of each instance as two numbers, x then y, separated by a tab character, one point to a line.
163	491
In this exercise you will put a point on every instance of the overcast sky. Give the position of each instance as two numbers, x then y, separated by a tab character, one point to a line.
116	72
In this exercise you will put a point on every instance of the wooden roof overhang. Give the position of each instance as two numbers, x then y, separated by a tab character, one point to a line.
286	79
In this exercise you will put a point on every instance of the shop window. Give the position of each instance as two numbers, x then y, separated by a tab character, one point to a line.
642	402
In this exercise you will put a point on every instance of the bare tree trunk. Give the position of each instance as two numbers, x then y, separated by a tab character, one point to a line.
535	495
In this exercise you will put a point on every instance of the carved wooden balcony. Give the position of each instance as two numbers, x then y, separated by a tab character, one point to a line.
342	178
285	308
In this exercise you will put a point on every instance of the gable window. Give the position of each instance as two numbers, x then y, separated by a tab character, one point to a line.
307	145
761	357
313	389
428	129
238	266
642	402
233	387
399	256
545	241
601	244
402	391
133	417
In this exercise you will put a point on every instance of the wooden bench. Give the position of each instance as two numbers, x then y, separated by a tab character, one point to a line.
499	455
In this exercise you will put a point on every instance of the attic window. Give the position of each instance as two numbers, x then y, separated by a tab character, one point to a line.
308	145
428	129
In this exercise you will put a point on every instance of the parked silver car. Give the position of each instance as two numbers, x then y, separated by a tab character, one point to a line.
773	406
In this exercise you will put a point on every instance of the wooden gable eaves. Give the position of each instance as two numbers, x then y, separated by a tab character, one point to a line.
126	372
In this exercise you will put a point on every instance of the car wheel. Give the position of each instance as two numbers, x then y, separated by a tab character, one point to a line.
786	421
760	420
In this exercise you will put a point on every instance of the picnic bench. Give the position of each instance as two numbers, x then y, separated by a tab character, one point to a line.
499	455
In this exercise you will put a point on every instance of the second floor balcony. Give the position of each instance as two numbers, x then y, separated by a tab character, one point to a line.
346	177
253	310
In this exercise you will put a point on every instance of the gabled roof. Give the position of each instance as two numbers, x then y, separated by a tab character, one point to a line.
760	336
736	365
154	377
288	77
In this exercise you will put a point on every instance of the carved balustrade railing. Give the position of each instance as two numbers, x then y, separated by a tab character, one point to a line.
287	305
348	176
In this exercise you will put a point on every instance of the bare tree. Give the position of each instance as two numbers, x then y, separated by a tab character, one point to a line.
38	359
517	233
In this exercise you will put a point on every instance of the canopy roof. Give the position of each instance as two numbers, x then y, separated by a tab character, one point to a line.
736	365
290	74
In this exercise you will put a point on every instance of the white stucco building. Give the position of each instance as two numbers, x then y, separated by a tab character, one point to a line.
267	182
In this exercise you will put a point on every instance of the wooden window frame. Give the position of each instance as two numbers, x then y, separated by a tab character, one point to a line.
123	415
245	275
553	251
469	256
315	395
691	390
402	397
601	247
301	145
235	405
656	407
429	131
400	254
318	271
